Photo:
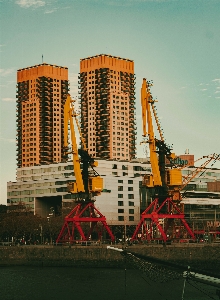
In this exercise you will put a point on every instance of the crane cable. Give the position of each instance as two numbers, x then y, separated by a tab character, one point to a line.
157	121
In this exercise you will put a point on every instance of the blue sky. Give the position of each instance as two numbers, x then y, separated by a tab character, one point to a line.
175	43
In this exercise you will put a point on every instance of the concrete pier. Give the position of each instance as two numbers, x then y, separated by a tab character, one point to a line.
205	256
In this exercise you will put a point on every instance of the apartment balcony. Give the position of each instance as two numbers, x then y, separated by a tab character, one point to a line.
102	144
45	127
46	142
46	147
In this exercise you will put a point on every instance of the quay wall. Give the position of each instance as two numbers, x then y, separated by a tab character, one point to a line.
206	256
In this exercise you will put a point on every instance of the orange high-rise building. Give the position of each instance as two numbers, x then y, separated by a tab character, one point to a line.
41	94
108	106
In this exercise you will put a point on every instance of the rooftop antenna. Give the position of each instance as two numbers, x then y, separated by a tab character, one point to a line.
42	58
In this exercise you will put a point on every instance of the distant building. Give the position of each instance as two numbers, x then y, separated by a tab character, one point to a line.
186	159
41	94
107	90
182	160
214	186
202	209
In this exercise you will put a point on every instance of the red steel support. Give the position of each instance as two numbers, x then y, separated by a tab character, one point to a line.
168	211
82	213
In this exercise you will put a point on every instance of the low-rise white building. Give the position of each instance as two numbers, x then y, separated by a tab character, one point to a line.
45	186
121	201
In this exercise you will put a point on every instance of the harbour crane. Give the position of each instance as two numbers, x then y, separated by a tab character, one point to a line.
164	182
87	185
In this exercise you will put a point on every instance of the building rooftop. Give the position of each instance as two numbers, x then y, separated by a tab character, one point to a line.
43	64
108	55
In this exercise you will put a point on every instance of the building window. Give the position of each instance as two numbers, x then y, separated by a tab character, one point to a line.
120	203
114	166
120	218
123	166
137	175
120	195
131	211
120	211
131	218
130	196
130	203
137	168
114	173
120	181
130	188
120	188
130	181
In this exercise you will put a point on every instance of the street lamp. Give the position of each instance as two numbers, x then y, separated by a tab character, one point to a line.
41	233
125	232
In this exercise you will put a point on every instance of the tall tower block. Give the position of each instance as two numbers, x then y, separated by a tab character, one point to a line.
107	90
41	94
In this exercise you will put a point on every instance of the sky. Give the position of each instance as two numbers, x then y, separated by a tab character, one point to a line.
175	43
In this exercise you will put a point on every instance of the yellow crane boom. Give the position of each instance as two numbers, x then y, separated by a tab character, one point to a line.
69	113
87	182
146	99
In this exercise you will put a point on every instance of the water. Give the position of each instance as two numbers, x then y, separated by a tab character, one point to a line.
91	283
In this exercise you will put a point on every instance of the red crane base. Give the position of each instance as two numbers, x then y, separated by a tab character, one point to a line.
153	214
84	212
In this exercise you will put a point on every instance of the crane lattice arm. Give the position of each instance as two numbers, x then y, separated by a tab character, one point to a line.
69	113
189	177
146	99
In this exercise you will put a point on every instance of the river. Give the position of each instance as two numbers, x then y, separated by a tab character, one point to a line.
39	283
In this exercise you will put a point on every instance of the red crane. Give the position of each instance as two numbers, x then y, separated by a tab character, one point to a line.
88	184
165	210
